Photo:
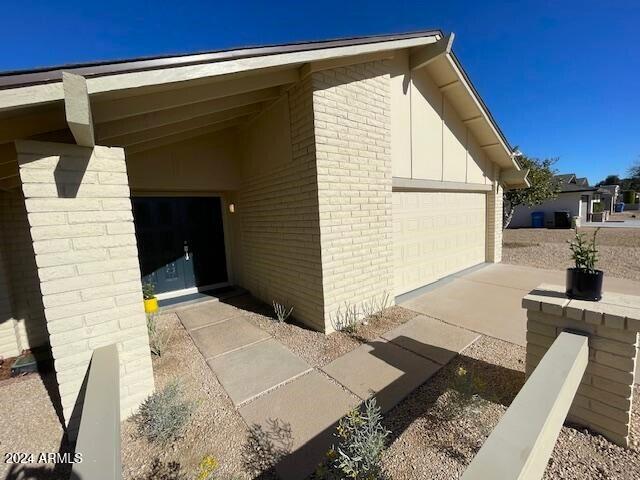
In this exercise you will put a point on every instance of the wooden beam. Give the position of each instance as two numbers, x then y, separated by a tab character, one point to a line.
180	114
179	137
427	54
160	132
78	109
450	85
490	145
472	119
28	125
118	108
8	170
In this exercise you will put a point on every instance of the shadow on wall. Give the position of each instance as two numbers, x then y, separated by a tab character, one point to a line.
268	450
24	283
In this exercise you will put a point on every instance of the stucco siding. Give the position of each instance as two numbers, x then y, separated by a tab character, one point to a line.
353	141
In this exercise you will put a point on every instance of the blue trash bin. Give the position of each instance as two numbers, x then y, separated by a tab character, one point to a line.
537	219
619	207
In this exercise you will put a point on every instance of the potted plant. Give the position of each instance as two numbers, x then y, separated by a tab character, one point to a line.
150	300
584	282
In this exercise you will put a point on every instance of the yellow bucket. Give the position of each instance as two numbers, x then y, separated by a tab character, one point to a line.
151	305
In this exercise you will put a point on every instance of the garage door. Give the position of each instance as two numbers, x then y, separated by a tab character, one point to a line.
436	234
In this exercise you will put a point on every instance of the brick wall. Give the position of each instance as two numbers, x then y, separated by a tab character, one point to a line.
494	221
79	211
9	346
278	222
21	272
352	129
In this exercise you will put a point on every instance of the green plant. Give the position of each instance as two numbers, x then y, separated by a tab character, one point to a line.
158	338
346	320
164	414
281	312
374	307
148	291
598	207
629	197
543	186
361	442
207	468
583	252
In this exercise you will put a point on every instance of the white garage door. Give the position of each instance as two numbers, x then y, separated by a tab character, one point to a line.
436	234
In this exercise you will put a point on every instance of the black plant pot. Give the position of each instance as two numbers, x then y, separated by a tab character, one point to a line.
583	285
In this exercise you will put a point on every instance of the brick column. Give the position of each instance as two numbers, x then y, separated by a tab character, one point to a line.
494	221
9	346
603	401
352	119
79	210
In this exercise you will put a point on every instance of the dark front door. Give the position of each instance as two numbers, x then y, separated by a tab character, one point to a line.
180	241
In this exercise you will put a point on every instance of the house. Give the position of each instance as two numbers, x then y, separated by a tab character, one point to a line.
609	196
317	174
576	197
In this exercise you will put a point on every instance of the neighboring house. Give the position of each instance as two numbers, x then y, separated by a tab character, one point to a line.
575	197
609	196
319	174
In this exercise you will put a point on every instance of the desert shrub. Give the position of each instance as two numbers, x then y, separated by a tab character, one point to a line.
158	339
373	307
164	414
361	441
346	319
280	309
148	291
266	447
207	468
163	471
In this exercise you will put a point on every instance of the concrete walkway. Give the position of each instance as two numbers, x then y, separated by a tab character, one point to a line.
488	300
267	382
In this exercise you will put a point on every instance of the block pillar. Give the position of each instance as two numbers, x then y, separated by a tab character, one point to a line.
494	221
9	346
79	211
603	400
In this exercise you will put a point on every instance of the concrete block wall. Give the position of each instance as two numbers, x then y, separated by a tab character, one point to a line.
276	222
84	241
9	346
351	109
494	221
21	272
604	399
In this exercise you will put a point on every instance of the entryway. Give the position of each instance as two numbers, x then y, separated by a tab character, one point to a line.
180	243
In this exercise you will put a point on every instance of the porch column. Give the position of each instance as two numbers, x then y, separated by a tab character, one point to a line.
494	221
8	338
79	211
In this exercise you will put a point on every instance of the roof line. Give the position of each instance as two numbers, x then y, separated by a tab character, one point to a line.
21	78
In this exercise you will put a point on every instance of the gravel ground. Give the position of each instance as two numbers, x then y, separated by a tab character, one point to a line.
547	248
429	442
29	424
215	428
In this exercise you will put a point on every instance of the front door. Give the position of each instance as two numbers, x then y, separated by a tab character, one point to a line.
180	241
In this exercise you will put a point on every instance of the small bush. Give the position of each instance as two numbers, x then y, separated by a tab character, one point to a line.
163	415
266	447
281	312
361	442
148	291
158	339
346	320
583	252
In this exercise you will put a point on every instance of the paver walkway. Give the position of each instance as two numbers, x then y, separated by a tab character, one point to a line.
269	383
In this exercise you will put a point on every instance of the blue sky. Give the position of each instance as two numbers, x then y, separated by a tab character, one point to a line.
561	78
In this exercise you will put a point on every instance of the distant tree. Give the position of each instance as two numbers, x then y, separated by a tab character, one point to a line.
544	186
634	171
610	180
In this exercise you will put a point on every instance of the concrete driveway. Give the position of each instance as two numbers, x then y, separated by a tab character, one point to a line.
487	300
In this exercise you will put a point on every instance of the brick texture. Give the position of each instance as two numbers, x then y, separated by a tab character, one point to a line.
9	345
604	398
494	222
79	211
21	272
279	230
351	108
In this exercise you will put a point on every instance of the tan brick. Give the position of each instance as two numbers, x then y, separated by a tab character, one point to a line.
100	217
76	283
66	231
626	364
55	313
53	273
104	241
70	258
52	246
120	228
60	299
107	266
